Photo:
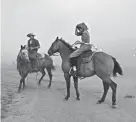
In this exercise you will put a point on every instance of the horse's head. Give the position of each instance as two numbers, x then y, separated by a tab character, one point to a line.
57	45
54	47
23	54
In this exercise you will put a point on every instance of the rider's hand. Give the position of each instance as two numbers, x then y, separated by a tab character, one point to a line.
77	42
31	48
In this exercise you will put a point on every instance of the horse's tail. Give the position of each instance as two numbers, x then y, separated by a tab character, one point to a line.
117	68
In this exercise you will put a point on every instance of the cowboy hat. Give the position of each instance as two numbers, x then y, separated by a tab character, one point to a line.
30	34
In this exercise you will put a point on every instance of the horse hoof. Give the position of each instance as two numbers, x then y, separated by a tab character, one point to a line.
78	98
99	102
39	84
114	106
49	87
66	98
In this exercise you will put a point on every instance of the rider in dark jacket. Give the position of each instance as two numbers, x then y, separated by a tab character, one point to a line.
33	46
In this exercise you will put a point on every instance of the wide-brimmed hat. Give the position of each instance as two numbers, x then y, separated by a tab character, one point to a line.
30	34
82	25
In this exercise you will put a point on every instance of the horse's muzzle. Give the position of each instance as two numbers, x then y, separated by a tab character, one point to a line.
50	53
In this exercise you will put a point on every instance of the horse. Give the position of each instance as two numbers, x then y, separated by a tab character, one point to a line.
100	64
24	66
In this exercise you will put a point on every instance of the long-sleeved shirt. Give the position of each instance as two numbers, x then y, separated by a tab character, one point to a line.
85	37
33	43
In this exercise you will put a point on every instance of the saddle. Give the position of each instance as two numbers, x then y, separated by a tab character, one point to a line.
40	55
35	61
84	58
82	62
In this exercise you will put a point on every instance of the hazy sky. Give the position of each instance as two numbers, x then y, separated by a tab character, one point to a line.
112	24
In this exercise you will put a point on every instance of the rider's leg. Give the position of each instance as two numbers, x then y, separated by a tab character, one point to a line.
73	69
73	59
33	59
73	62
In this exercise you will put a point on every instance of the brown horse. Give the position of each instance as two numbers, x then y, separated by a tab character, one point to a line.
101	64
24	66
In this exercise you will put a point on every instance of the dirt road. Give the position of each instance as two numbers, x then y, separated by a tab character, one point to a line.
40	104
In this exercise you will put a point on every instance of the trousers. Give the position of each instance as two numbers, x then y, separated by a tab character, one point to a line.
83	48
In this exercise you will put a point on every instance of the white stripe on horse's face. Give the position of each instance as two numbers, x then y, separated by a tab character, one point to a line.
24	54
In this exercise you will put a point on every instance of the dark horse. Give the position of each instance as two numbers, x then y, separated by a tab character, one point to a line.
101	64
24	66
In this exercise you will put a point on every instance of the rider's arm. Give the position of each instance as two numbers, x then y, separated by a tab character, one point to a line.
85	37
35	47
78	42
37	44
77	33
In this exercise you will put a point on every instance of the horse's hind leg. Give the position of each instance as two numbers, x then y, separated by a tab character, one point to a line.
43	74
50	76
113	86
76	87
106	88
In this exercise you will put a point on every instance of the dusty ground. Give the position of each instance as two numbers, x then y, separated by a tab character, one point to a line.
39	104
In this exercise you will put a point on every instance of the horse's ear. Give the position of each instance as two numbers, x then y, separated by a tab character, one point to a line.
57	38
21	47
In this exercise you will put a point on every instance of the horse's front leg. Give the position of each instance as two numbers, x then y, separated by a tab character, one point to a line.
76	87
67	78
50	76
21	80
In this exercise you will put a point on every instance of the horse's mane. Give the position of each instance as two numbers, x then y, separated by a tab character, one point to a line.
67	44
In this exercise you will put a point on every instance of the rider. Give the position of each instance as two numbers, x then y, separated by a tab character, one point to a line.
33	46
81	30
